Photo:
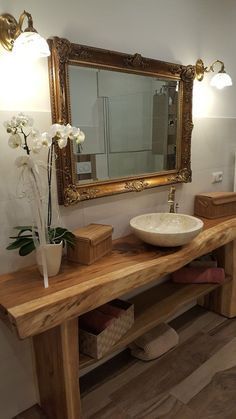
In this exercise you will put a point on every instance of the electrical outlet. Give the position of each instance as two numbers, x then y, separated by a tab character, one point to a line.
217	177
84	167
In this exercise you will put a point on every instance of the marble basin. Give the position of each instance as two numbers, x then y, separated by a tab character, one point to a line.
166	229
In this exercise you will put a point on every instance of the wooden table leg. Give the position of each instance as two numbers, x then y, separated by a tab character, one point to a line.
223	299
57	366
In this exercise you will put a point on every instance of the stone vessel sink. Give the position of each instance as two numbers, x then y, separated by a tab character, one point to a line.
166	229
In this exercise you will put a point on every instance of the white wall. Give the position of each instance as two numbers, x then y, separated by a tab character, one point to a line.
171	30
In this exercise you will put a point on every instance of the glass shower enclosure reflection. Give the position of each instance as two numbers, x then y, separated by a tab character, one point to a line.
130	123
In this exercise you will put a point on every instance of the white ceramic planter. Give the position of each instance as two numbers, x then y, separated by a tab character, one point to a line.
53	254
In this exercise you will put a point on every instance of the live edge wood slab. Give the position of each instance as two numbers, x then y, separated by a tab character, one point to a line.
50	315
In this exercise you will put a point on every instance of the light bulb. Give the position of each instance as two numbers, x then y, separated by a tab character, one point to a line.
31	45
221	80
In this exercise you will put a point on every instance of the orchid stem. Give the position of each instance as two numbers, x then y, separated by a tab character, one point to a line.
49	174
26	145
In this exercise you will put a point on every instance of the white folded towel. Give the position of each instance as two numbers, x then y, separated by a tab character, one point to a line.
154	343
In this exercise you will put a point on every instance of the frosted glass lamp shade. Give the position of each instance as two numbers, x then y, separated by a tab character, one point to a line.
221	80
31	45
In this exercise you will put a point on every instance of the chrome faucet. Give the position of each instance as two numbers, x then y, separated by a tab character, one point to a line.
171	199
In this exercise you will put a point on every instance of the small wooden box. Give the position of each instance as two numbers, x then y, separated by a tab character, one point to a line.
92	243
215	204
97	345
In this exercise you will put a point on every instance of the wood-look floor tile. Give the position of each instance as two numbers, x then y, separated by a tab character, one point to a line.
118	365
103	378
223	359
195	320
99	396
111	411
93	402
140	390
34	412
217	399
151	385
167	408
226	330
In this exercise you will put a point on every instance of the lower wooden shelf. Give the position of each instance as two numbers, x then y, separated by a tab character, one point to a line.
155	306
152	307
34	412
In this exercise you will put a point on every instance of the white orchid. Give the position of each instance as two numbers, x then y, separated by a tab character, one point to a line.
11	125
71	132
79	139
61	134
62	142
15	141
23	120
22	126
36	146
67	129
46	139
18	122
75	133
34	134
56	130
39	141
24	135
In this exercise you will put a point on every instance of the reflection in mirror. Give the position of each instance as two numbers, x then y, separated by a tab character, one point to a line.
130	122
136	113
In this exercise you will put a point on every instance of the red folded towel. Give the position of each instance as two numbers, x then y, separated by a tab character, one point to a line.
199	275
95	321
111	310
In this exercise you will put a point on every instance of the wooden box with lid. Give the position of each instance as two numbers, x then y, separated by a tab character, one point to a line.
92	243
215	204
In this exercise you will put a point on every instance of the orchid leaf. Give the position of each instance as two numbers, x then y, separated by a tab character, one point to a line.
27	248
24	236
18	243
25	243
24	227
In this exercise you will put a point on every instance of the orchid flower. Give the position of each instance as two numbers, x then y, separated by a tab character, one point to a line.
79	139
62	133
62	142
15	141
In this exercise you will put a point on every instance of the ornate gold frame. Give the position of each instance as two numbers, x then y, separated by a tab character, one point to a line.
64	53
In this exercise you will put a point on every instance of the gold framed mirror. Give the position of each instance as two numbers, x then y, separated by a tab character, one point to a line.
136	113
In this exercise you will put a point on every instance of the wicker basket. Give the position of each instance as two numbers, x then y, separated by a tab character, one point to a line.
98	345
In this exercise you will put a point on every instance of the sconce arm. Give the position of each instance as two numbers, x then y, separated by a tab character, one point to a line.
10	29
201	69
30	27
211	67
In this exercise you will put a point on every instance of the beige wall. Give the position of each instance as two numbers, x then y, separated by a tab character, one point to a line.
171	30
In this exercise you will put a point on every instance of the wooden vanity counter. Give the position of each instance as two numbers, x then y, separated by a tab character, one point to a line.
31	309
50	315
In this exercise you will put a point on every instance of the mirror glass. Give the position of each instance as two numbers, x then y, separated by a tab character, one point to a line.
136	113
130	123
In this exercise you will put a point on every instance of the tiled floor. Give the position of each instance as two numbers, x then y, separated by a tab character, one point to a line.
196	380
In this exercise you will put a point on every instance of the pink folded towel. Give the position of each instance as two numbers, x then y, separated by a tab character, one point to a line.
189	275
95	321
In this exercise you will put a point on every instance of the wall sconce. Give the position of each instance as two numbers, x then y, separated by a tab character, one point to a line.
28	42
219	80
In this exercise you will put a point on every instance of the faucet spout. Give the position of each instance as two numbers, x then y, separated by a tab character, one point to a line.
171	199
